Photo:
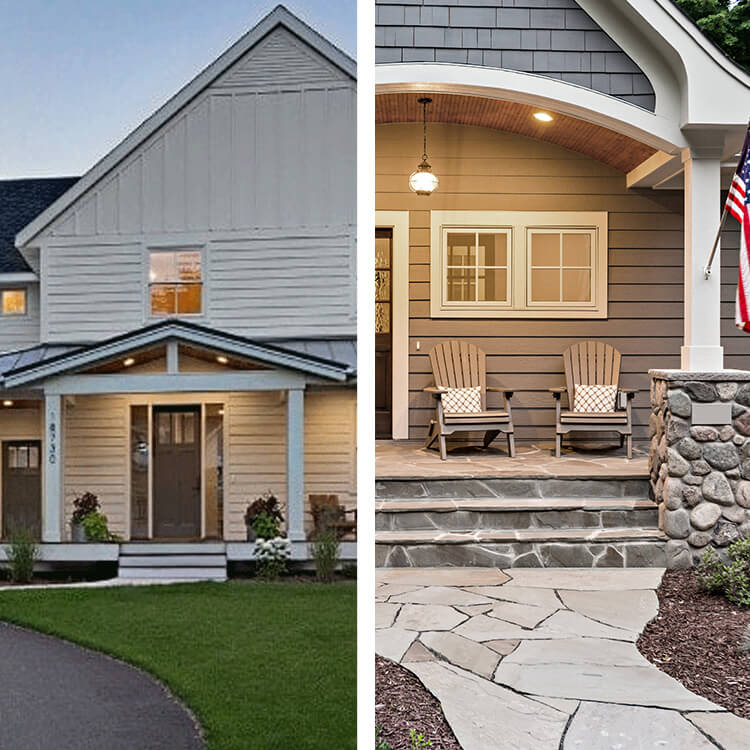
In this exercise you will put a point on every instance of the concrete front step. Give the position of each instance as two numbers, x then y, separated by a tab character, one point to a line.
182	573
596	486
464	514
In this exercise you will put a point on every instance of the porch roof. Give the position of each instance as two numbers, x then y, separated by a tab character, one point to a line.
327	358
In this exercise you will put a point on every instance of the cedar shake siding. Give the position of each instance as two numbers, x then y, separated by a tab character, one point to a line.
483	169
553	38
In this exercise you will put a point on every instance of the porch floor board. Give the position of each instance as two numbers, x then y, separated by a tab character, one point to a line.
409	459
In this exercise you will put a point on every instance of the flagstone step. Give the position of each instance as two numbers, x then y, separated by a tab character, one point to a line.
466	514
508	548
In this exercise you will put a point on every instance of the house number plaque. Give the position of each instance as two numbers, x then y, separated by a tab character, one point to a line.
52	438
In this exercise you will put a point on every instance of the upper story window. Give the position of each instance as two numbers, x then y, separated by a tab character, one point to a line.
13	301
175	282
526	264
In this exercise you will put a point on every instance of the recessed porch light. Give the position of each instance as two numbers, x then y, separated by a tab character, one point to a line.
128	362
222	360
7	402
543	116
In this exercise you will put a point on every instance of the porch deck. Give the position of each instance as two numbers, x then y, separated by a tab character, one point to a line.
408	460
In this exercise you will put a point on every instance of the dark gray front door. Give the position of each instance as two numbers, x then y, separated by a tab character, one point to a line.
177	472
22	487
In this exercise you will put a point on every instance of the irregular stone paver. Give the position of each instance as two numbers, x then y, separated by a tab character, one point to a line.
598	726
526	615
462	652
612	579
392	643
428	617
481	713
441	595
63	697
640	686
385	614
632	610
730	731
570	654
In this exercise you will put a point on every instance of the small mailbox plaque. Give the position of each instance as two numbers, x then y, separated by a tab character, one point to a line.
712	414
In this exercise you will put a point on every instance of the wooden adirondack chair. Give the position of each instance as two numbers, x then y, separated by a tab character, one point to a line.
328	513
592	363
458	364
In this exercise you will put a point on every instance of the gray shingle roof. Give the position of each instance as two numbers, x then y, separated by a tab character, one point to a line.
21	201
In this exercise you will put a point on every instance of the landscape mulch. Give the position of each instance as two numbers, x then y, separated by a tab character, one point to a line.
403	703
696	638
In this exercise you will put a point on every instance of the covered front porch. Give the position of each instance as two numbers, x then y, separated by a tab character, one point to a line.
176	429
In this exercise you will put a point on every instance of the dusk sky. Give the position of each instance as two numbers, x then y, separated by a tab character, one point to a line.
77	76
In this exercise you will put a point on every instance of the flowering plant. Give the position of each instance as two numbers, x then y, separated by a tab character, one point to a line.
272	556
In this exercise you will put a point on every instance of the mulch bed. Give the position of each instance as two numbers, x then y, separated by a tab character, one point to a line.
695	639
403	703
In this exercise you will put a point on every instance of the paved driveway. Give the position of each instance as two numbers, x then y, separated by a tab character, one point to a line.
537	659
56	696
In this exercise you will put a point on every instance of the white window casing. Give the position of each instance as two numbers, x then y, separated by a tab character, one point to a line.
571	269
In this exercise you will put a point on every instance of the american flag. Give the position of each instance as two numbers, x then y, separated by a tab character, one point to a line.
737	205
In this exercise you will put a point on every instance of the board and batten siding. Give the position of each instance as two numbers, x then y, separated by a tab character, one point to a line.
260	165
21	331
96	449
484	169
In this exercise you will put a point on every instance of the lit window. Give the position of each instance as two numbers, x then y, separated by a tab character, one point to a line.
14	301
176	283
518	264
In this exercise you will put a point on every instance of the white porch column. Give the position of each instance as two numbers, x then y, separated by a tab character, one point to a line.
295	464
702	348
52	474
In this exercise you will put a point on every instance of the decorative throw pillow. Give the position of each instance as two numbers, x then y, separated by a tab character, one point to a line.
461	400
594	398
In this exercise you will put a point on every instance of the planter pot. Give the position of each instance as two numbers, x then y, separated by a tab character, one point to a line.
78	533
251	535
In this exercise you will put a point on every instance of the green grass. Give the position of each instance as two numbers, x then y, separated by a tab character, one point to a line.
269	666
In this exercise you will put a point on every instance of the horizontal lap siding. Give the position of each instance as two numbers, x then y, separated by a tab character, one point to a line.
21	331
95	456
482	169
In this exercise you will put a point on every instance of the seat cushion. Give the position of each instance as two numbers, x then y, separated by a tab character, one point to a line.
594	398
461	400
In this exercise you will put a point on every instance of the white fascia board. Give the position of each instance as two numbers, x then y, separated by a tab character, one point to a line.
280	16
655	169
655	130
23	277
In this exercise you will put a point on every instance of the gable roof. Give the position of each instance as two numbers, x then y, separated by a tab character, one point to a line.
308	358
279	16
20	202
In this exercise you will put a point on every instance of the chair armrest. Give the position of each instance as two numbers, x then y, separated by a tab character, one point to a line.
558	391
497	389
435	391
629	392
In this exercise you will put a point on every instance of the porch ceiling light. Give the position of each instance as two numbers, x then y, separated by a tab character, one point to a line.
423	182
7	402
543	116
222	360
128	362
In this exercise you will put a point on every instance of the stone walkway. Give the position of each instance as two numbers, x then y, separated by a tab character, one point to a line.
530	659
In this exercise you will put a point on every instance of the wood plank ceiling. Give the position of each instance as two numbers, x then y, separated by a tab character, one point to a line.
600	143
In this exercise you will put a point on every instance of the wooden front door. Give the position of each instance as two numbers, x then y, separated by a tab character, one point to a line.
177	472
383	328
22	487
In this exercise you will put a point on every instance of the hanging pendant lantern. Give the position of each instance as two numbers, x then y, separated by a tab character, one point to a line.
423	181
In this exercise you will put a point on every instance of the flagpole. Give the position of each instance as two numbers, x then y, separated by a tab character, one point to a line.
707	269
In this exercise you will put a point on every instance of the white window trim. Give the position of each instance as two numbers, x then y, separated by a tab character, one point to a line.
518	223
173	248
25	313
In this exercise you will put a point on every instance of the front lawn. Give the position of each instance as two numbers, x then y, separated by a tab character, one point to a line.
269	666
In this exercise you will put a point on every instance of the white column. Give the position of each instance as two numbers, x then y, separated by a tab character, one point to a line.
295	464
702	348
52	469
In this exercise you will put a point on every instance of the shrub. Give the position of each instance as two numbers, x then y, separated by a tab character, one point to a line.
22	553
380	743
96	528
264	515
325	552
84	505
730	578
271	556
418	741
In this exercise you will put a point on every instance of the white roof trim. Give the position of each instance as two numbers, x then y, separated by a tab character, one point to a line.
19	277
279	16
